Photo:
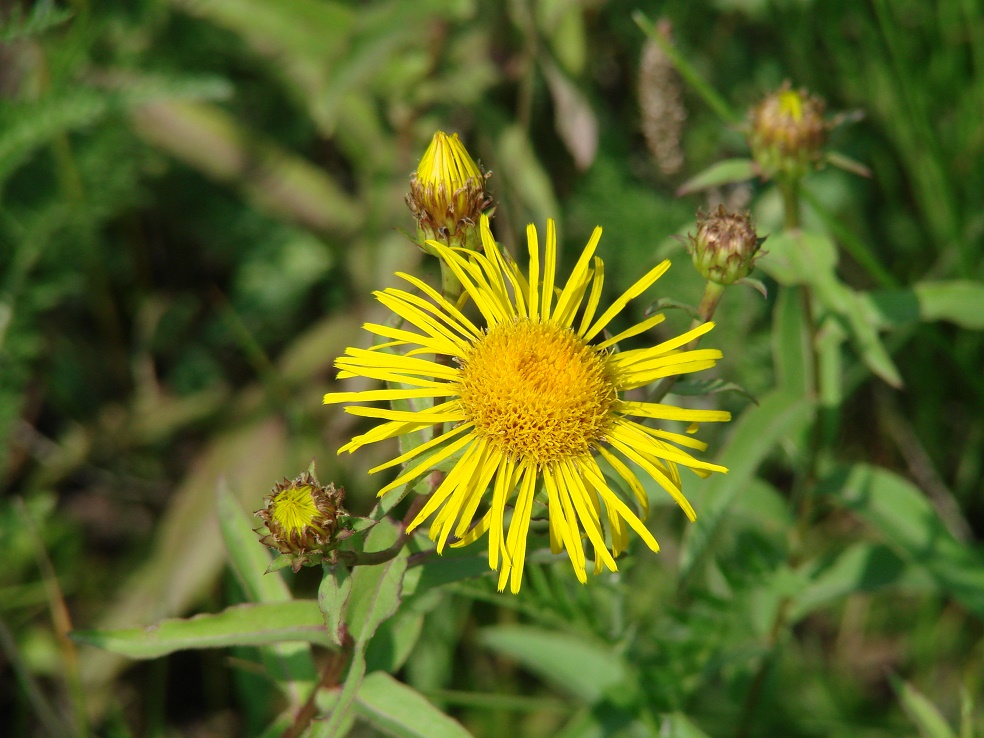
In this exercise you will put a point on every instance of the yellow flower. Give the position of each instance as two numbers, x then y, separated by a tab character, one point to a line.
535	394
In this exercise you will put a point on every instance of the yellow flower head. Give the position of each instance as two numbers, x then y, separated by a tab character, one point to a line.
534	394
447	193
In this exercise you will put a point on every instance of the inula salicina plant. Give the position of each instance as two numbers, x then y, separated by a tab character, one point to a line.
445	369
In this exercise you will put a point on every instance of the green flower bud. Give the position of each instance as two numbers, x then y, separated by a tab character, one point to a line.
302	518
447	194
787	132
725	247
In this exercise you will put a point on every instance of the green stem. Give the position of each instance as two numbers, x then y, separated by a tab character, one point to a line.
804	487
713	292
790	188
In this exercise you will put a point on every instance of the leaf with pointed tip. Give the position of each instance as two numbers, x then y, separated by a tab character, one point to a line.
333	596
900	512
398	710
240	625
694	387
286	662
841	161
729	171
955	301
921	711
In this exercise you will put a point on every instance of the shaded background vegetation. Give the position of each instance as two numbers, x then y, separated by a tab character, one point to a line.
197	198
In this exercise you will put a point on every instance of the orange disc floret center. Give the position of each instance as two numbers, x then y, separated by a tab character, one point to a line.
537	391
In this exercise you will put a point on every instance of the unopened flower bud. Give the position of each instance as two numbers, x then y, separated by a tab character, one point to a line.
725	247
302	518
787	132
447	194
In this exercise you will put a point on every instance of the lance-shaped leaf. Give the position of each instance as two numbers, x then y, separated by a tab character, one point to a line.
241	625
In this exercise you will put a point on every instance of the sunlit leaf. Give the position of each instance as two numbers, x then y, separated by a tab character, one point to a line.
729	171
909	524
584	669
778	416
401	711
240	625
926	716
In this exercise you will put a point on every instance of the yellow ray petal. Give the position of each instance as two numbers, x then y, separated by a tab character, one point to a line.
593	474
504	485
634	291
574	486
566	303
381	433
448	412
388	395
437	345
422	320
559	504
493	465
633	331
426	446
645	443
428	464
549	270
520	288
652	470
441	302
671	412
533	246
630	479
518	529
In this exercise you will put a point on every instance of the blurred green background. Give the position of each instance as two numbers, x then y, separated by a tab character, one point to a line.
197	199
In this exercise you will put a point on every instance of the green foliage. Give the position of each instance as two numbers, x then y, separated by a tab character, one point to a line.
197	200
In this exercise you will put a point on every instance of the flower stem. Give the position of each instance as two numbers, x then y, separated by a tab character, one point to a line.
803	493
713	292
789	187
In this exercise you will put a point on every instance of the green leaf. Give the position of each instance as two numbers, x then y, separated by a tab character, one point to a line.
724	172
779	416
26	127
810	259
333	596
446	569
241	625
957	301
583	668
574	119
901	513
797	258
791	339
376	590
375	596
249	558
696	387
861	567
272	178
341	715
287	662
398	710
394	641
678	725
921	711
843	161
42	17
